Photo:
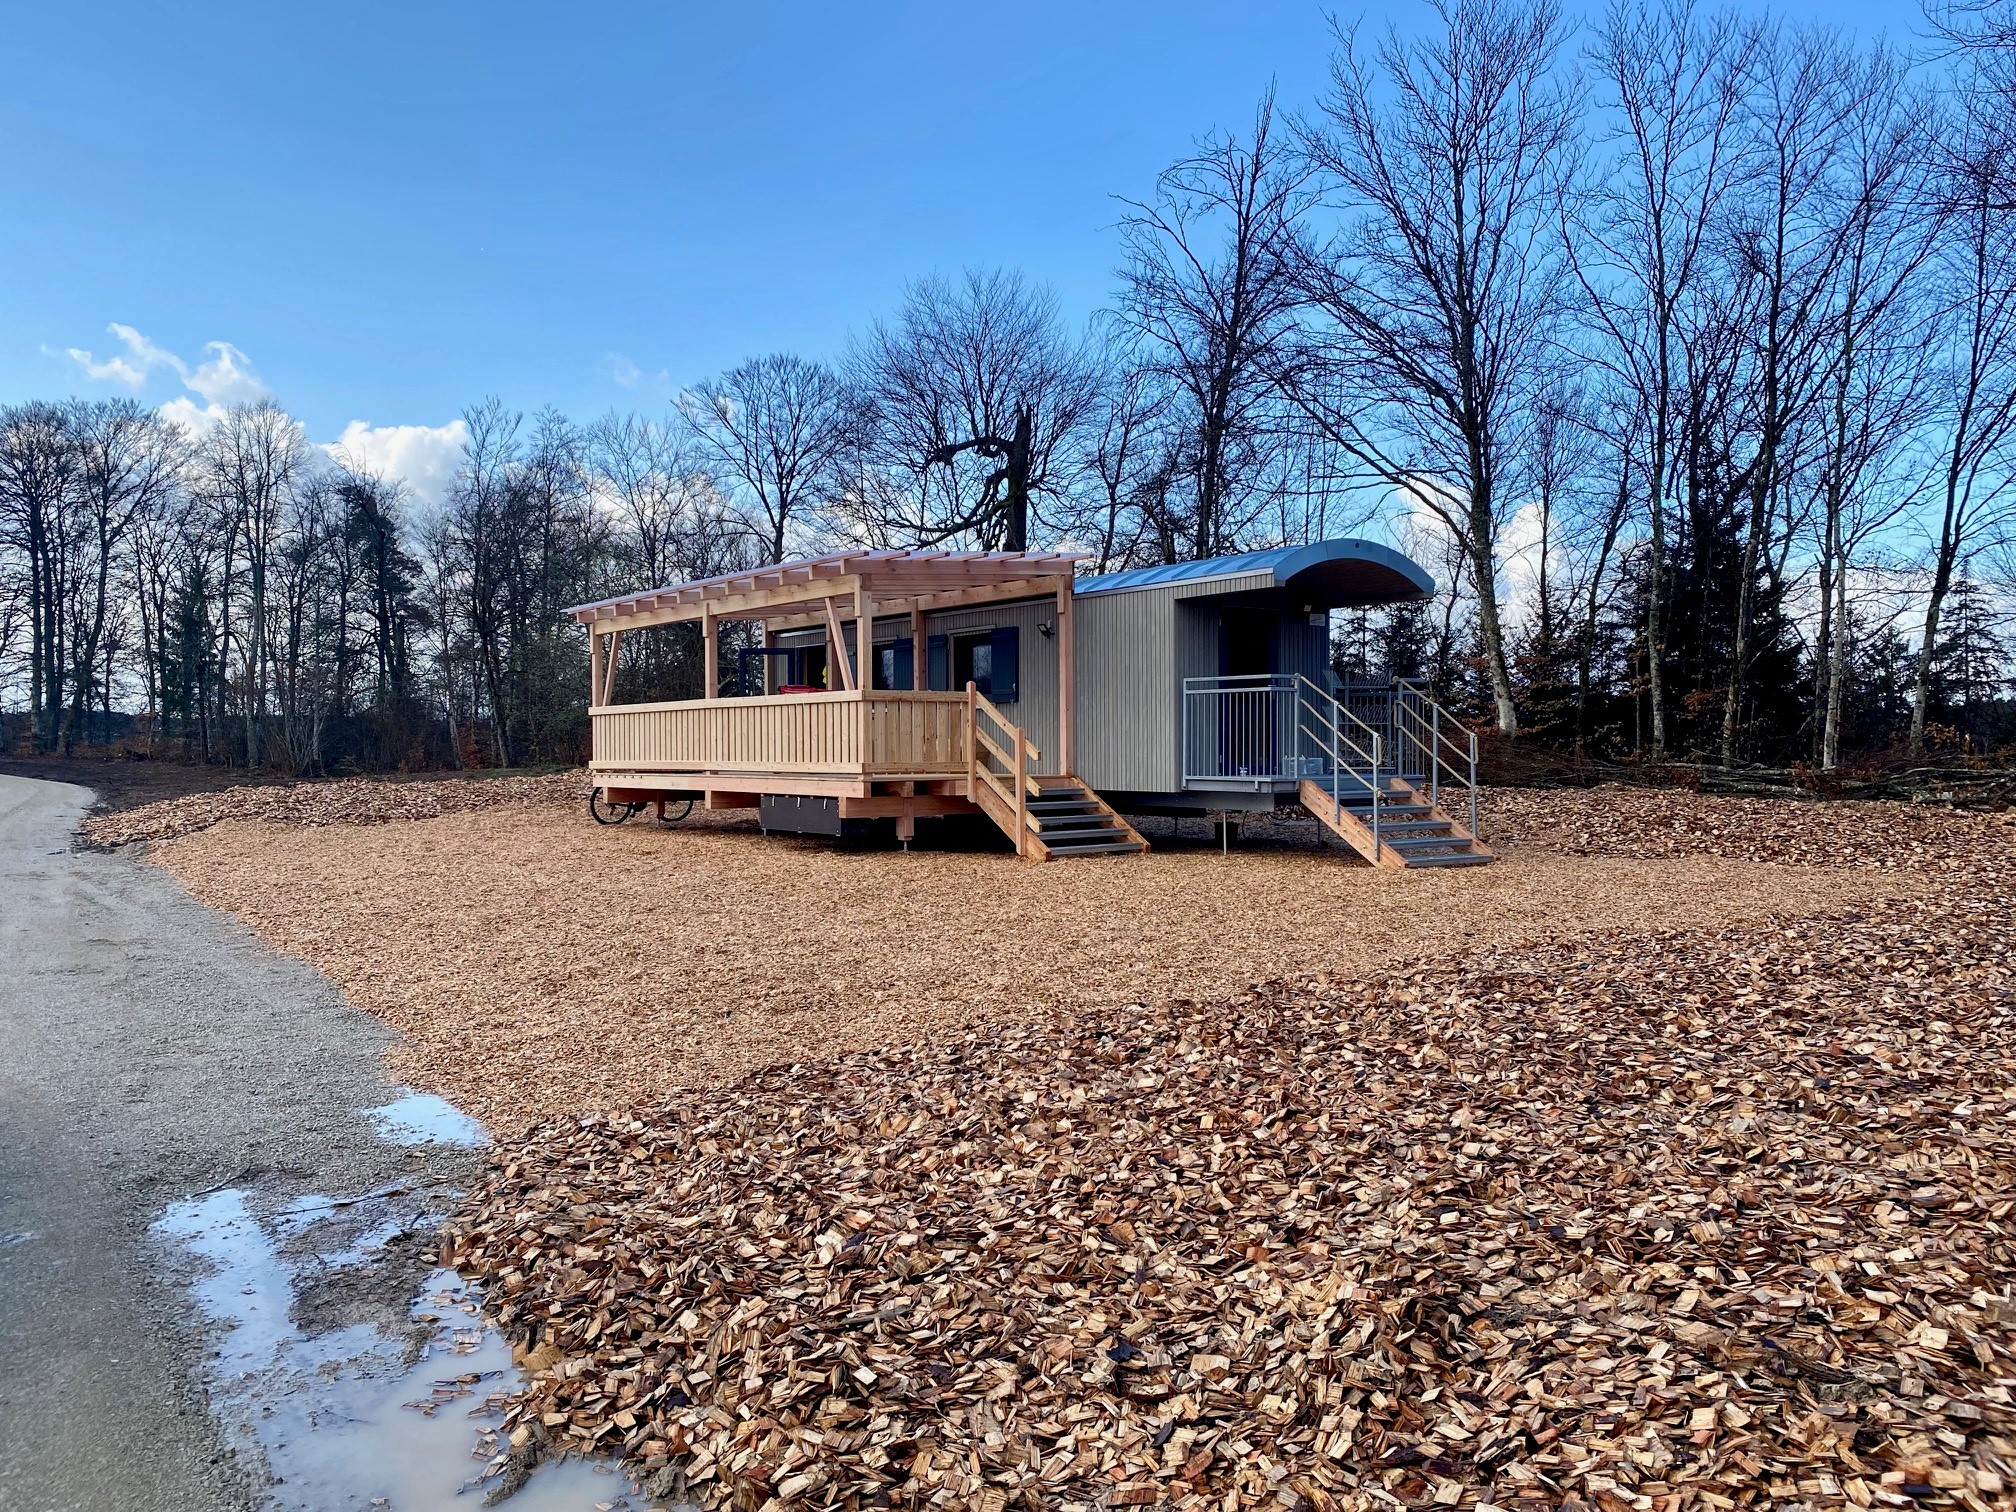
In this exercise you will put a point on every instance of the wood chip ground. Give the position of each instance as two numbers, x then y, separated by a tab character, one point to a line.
537	964
1681	1219
1604	1214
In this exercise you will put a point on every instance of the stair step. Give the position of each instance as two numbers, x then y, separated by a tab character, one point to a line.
1455	858
1076	825
1408	827
1111	847
1423	842
1065	806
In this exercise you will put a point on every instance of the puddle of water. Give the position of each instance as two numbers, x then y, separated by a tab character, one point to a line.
421	1118
341	1420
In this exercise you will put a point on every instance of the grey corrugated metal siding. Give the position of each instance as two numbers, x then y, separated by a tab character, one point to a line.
1128	714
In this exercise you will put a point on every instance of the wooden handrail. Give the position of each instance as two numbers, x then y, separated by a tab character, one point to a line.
984	705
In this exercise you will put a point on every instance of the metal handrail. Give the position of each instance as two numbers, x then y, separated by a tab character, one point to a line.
1338	739
1435	742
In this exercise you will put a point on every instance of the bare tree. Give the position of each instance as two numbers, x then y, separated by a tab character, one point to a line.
1434	306
1877	398
1978	399
38	465
777	430
1641	239
128	471
1129	466
246	464
1208	287
1793	228
979	368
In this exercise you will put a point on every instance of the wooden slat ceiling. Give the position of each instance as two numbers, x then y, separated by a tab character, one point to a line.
884	573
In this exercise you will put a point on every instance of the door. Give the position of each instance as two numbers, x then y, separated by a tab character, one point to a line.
1248	745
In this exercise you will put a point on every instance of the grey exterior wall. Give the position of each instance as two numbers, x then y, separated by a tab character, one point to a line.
1128	702
1133	650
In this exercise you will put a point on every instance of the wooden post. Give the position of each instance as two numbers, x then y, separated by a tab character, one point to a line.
864	638
973	744
609	672
836	650
920	653
594	668
710	641
1021	792
1067	679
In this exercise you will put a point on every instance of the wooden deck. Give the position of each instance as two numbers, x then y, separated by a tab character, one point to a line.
883	735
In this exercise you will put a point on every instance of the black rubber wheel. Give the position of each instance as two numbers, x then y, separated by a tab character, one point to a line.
610	813
684	808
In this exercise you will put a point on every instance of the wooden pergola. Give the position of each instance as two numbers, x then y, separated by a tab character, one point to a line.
832	590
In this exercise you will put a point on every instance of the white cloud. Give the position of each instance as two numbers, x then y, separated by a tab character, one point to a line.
193	417
223	378
625	373
423	457
226	378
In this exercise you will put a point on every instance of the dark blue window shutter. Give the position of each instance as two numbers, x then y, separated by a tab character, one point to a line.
905	660
1004	674
938	653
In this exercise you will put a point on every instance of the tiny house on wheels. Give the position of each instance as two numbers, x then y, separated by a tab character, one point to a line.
903	685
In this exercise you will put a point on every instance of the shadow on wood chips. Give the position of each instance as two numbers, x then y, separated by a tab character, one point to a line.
1665	1219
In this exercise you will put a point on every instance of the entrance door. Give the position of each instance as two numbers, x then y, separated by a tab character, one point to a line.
1247	740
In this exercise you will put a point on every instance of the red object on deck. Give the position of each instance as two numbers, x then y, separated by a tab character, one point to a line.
799	688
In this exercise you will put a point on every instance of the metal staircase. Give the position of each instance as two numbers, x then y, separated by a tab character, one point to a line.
1383	766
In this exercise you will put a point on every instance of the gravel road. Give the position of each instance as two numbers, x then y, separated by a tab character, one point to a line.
152	1051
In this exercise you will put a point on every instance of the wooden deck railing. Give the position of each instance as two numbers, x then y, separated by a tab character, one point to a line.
850	734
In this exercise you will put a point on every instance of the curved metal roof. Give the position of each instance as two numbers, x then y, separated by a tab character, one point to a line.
1333	574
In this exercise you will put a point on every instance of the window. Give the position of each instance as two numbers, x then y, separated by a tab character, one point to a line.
973	661
892	664
991	660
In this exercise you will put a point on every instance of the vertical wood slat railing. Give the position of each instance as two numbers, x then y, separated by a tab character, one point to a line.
851	734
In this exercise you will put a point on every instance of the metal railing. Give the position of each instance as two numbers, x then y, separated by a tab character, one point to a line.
1439	742
1266	729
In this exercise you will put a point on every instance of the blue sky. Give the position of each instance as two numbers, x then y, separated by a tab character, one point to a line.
389	211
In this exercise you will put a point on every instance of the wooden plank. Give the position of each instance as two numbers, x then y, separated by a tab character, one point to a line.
864	636
895	806
1021	792
836	648
767	603
949	598
710	653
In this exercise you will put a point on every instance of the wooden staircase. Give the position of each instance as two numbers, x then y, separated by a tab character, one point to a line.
1049	817
1412	832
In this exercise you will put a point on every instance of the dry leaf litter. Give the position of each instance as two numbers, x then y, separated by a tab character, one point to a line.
1675	1219
352	800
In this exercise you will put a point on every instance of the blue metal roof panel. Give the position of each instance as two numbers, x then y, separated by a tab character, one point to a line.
1281	562
1184	572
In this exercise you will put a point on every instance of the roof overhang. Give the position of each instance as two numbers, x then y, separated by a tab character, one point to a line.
1336	574
1348	574
894	579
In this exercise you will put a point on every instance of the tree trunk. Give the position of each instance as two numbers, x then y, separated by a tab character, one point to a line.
1015	534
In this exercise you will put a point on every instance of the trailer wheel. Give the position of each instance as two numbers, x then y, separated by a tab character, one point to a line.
610	813
684	809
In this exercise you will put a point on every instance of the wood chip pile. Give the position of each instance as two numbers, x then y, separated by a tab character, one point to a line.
355	800
1681	1220
1650	823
